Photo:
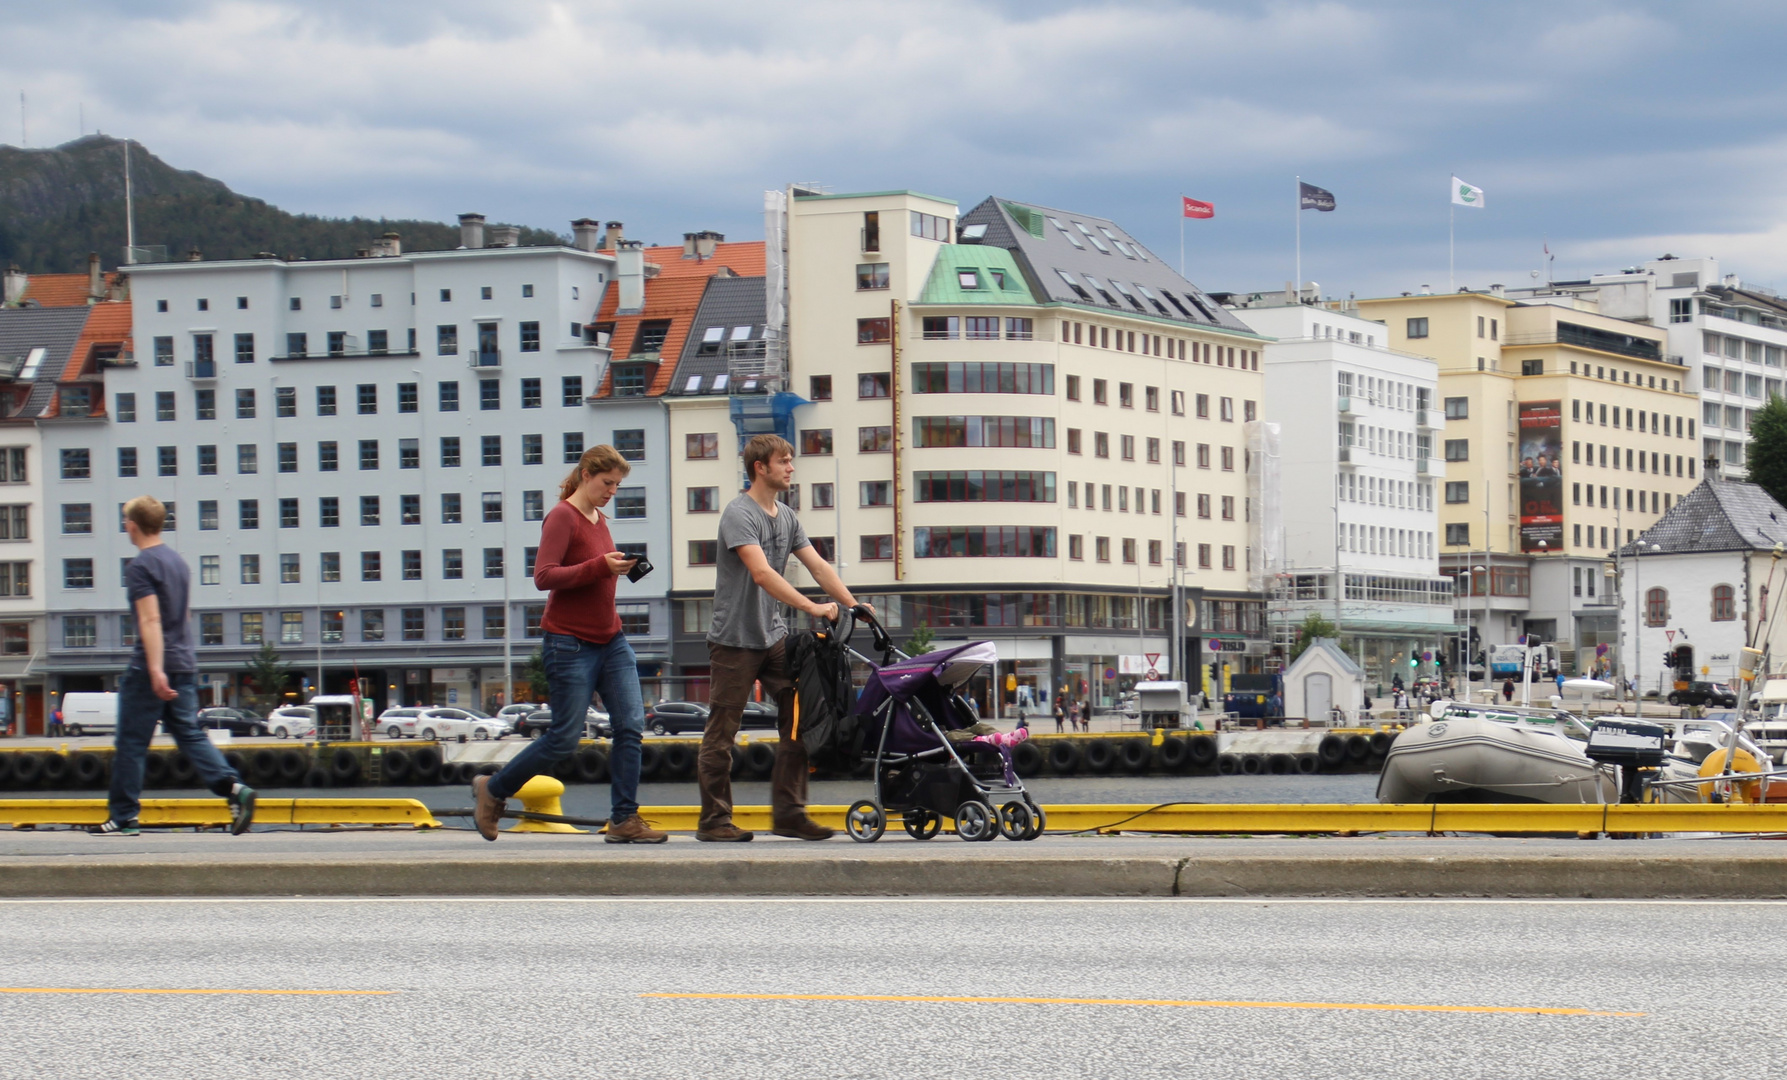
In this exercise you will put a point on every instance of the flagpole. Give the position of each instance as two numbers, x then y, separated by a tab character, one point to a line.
1451	247
1297	210
1181	234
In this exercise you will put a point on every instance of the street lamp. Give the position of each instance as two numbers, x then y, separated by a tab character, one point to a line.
1484	637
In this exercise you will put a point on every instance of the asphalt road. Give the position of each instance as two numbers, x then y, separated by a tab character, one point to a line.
1173	988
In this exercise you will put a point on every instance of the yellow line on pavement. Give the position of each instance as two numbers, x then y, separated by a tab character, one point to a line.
1529	1010
153	990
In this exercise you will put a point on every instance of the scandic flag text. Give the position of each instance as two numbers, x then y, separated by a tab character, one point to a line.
1194	209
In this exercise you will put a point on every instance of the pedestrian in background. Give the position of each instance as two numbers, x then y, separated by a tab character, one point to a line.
161	684
1507	689
1060	715
584	651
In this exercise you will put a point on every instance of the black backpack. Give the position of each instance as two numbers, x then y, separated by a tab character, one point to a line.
824	700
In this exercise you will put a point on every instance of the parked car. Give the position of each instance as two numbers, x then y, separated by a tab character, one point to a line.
400	722
234	721
1704	693
675	717
452	723
595	725
759	715
293	722
513	714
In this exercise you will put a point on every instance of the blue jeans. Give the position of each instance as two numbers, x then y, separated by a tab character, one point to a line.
139	710
574	668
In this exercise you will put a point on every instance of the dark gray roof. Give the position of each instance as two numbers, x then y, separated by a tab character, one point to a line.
726	304
1044	250
55	330
1719	515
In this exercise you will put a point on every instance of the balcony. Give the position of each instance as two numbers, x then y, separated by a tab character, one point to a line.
1431	419
1421	466
201	369
1346	403
1346	458
485	360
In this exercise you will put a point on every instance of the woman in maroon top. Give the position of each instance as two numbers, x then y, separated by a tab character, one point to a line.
584	651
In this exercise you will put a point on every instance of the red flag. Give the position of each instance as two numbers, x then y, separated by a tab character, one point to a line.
1195	209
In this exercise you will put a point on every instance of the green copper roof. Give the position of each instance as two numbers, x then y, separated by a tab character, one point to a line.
996	277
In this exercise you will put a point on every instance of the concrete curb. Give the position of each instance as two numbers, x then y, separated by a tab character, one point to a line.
1379	875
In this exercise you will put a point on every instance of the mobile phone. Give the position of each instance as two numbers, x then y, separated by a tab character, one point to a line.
640	569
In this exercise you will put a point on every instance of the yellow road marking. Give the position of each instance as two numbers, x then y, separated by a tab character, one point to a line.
1528	1010
152	990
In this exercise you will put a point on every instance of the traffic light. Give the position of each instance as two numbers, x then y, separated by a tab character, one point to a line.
1414	660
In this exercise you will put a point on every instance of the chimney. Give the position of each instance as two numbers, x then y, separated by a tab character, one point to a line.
15	281
1497	290
689	245
585	233
629	270
471	231
705	241
505	236
387	246
95	279
612	238
194	255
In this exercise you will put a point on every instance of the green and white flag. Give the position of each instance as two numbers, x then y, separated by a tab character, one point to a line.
1465	194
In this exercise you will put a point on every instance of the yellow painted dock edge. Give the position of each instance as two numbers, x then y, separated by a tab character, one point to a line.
27	812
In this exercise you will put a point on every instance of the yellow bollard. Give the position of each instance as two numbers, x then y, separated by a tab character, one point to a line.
540	795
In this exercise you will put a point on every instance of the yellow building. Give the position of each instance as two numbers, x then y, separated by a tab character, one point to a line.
1567	433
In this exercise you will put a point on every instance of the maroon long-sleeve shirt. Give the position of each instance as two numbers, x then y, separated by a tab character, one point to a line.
571	566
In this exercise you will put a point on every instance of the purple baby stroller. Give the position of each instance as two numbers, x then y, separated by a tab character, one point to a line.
904	713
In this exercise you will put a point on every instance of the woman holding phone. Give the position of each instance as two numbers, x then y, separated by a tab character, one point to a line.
584	649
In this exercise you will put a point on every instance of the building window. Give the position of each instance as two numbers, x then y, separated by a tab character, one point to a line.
327	457
77	573
288	514
329	566
1724	603
629	502
490	394
493	506
703	552
823	496
446	340
704	500
1417	328
453	564
533	505
530	337
815	442
368	454
877	548
453	624
572	447
1458	534
415	624
1458	491
877	331
631	443
491	448
702	447
367	394
871	276
1458	449
493	562
1656	607
371	565
450	508
571	390
77	464
250	567
369	509
530	393
372	624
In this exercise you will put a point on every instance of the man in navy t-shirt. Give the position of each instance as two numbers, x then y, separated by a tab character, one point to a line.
161	684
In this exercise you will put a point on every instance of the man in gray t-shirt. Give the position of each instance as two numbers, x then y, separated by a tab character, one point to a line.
745	644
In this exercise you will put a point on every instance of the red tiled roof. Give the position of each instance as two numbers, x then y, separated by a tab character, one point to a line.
63	290
674	294
108	323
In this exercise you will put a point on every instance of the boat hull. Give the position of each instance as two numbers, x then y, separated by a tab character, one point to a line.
1474	760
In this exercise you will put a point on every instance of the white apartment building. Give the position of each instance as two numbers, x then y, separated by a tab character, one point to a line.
1008	423
1356	424
446	389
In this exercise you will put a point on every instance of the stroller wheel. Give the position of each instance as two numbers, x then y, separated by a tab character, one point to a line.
921	824
865	821
1015	821
1039	821
975	821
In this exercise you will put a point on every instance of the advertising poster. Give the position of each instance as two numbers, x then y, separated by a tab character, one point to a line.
1541	476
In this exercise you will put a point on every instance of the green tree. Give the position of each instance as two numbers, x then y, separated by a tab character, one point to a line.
536	676
920	641
1314	626
270	674
1767	454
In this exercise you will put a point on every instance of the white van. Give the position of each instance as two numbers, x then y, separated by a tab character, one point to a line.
90	714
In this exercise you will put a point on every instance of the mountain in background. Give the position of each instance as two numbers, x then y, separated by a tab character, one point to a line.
58	205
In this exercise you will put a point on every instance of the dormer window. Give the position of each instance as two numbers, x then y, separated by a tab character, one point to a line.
711	339
974	233
651	337
998	277
968	279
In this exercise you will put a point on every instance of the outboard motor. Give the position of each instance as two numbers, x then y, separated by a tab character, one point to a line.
1634	745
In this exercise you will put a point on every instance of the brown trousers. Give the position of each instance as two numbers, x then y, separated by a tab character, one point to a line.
733	671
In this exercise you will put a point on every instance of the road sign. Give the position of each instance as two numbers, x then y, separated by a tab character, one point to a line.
1669	636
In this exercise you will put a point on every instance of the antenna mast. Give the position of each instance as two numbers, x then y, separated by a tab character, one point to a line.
130	223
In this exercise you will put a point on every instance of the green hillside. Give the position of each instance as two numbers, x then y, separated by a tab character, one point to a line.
58	205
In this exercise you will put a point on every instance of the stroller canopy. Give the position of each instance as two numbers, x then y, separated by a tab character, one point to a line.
930	681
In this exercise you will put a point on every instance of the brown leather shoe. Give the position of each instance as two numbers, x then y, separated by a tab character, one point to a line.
803	829
724	834
488	814
633	830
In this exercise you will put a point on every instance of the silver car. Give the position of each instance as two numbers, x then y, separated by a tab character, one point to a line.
398	723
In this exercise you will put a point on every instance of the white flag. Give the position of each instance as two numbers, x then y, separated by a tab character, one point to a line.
1466	195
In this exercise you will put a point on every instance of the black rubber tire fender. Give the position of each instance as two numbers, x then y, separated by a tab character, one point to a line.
1174	754
1136	755
155	769
679	761
317	777
1100	756
344	766
488	768
651	760
1280	764
6	769
763	760
1064	757
592	765
1202	749
1380	743
238	761
425	764
1026	760
741	762
181	772
1332	750
88	770
1358	748
1253	764
263	765
565	768
1308	764
294	766
55	770
394	766
26	768
1227	764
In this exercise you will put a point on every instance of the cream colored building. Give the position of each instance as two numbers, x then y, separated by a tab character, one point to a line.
1567	433
1010	418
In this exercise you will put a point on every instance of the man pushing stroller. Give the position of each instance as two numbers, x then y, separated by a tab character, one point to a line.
747	641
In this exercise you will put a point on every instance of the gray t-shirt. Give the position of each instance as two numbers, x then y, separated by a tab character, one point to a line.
161	572
745	616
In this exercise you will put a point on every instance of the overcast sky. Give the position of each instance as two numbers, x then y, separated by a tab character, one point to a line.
1617	131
